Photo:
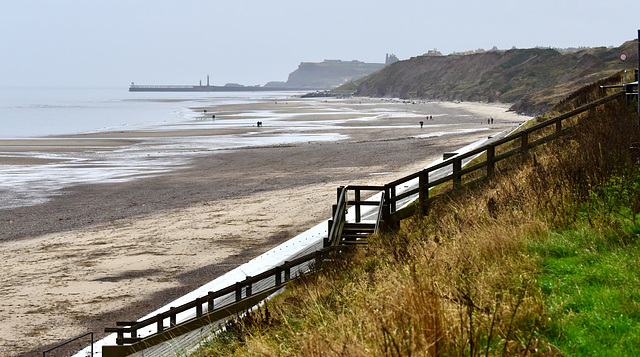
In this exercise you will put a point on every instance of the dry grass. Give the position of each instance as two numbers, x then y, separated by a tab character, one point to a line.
458	281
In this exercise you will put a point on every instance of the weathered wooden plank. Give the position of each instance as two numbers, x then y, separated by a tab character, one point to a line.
363	203
423	193
406	194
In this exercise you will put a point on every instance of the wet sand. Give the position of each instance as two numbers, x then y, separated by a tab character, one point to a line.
101	253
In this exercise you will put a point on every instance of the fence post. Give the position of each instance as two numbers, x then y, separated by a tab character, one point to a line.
278	276
318	259
392	201
491	164
238	291
210	299
357	198
558	128
198	308
423	192
457	177
386	209
248	291
172	318
159	323
120	337
287	272
524	141
325	241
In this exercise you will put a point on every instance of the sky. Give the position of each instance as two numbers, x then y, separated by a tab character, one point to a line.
91	43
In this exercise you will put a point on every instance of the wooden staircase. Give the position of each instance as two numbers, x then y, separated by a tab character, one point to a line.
344	233
356	233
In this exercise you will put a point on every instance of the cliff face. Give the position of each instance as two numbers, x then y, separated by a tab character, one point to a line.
532	79
329	74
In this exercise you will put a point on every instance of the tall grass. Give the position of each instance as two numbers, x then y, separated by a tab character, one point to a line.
477	276
589	272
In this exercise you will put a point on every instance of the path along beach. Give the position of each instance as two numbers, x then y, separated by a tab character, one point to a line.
95	253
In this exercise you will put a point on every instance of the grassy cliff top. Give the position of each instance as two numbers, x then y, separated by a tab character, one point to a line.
533	80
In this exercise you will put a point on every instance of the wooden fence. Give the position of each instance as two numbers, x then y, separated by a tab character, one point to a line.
212	307
494	152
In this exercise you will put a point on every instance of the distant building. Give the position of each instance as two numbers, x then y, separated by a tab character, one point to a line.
433	52
391	58
572	49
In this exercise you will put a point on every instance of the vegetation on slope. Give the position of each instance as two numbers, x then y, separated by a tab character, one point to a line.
533	79
540	260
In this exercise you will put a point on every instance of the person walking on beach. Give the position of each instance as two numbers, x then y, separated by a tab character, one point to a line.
421	124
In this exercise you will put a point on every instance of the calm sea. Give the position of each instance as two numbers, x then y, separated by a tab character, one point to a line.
39	112
28	112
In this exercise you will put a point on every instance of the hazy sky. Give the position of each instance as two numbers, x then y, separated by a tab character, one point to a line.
113	43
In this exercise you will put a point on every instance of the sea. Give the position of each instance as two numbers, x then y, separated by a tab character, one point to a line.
44	113
32	112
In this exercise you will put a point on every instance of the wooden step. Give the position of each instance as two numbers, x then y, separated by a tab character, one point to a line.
360	225
359	229
355	235
353	242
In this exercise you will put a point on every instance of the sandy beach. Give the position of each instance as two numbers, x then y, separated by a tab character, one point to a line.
104	252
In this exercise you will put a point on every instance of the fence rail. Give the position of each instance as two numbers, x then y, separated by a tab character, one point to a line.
244	294
427	179
212	307
44	353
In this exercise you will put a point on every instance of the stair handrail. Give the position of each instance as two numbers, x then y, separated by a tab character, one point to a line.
339	217
90	333
458	171
380	212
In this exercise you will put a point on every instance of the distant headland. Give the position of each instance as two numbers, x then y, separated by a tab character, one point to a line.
309	76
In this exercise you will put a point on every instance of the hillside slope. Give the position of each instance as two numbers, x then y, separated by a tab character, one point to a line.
533	79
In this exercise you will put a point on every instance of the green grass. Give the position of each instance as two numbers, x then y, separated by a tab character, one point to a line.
590	278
